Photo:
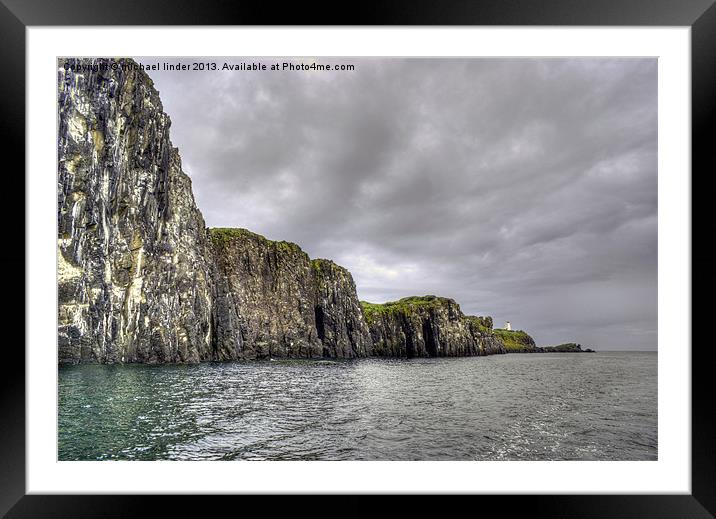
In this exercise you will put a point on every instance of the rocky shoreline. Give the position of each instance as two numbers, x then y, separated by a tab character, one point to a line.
141	278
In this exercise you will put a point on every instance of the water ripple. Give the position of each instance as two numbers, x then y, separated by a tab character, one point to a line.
507	407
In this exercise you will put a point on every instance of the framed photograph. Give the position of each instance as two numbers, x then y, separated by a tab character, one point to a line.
429	252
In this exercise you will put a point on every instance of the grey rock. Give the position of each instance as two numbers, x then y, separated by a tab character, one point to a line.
339	316
133	276
272	300
428	326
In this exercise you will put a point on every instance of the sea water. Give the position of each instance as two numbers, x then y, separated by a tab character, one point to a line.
551	406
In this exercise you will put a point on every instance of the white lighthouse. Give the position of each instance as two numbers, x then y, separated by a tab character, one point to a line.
508	327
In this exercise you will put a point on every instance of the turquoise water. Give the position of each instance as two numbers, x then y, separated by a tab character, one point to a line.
554	406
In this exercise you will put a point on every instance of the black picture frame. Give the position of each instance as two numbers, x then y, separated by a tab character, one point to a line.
700	15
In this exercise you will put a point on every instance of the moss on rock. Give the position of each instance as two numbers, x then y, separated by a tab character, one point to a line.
515	340
225	235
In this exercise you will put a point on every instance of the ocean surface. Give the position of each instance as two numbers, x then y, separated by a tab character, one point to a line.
550	406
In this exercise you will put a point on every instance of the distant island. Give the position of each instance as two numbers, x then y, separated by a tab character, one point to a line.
568	347
142	279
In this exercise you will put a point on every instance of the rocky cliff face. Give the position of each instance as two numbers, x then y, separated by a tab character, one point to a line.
133	276
272	300
428	326
340	322
140	278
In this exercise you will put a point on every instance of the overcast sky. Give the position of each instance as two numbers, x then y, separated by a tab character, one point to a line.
525	189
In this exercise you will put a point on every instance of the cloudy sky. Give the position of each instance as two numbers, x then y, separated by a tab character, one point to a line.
525	189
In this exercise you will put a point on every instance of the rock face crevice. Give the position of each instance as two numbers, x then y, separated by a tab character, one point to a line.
141	279
343	327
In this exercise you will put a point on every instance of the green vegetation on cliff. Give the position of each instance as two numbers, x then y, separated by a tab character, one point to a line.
224	235
515	340
322	266
327	273
484	324
406	306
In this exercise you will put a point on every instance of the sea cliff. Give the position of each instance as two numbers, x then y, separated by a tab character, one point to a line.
141	278
134	281
272	300
428	326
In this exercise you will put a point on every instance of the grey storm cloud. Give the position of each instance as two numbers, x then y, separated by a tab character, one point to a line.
525	189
